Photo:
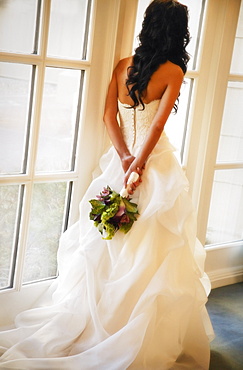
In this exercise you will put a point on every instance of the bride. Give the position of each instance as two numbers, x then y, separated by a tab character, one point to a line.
136	301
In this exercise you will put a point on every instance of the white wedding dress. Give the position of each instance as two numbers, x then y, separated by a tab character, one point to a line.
134	302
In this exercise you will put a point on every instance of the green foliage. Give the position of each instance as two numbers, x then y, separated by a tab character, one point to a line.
130	207
111	212
97	207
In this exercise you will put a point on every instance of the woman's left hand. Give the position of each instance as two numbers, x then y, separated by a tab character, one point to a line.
126	162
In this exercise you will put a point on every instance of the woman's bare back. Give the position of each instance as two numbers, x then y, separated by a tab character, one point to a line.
159	80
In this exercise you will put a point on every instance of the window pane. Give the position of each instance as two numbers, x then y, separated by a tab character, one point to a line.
236	64
231	137
14	99
195	16
58	120
67	28
8	210
46	221
17	25
176	126
225	218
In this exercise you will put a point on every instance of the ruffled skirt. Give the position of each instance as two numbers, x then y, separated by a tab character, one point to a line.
135	302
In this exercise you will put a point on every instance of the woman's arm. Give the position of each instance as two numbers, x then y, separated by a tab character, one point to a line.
113	128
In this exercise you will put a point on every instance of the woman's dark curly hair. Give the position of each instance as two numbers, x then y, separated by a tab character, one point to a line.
164	36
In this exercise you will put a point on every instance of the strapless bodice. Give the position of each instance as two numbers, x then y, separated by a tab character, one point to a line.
135	122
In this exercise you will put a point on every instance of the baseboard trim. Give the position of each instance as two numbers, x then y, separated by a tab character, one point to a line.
224	263
225	276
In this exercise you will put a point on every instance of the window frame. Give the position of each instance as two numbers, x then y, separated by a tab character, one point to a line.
100	56
224	261
39	62
208	105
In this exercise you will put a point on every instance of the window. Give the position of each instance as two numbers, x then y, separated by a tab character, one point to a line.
45	53
225	223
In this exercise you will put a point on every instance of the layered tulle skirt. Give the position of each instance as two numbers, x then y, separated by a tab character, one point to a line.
134	302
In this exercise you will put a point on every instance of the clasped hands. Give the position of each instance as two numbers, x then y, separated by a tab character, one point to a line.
129	166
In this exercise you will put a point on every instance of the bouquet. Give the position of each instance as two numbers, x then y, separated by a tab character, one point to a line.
111	211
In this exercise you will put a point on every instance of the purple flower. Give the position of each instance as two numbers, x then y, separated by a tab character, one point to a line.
121	211
125	219
104	195
105	192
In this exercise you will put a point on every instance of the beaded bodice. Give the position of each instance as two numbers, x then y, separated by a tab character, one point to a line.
135	122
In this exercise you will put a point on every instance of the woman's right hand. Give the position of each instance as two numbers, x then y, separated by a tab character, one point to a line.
127	165
132	186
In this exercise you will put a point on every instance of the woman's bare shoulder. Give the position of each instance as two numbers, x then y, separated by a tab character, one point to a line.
123	64
170	69
165	74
